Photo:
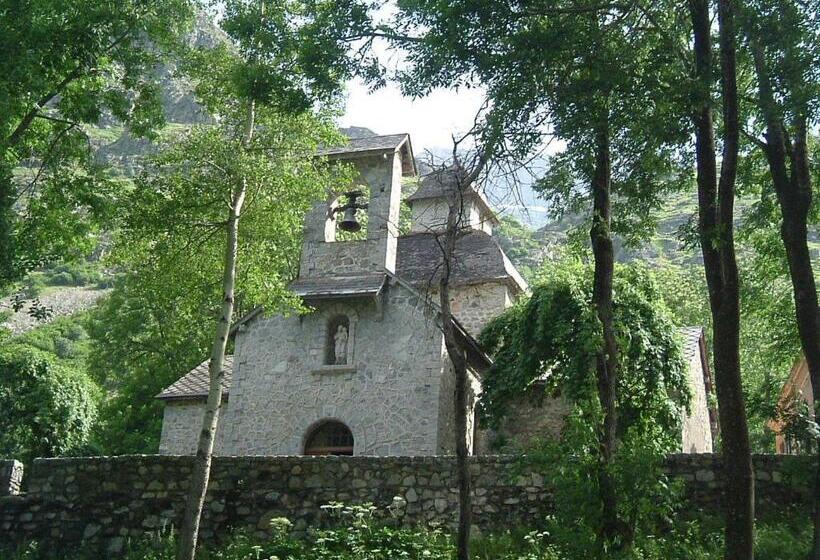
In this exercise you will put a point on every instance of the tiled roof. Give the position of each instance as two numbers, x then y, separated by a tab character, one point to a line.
478	258
389	142
339	286
691	341
437	184
375	145
194	384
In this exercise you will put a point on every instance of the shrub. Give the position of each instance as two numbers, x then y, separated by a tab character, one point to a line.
76	332
64	348
363	536
74	274
33	286
45	409
61	279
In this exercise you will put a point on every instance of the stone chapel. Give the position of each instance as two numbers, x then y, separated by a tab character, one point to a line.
367	373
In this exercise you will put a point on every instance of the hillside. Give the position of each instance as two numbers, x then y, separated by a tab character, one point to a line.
527	248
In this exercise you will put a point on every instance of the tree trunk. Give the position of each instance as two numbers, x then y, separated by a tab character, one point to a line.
189	530
607	359
458	358
716	224
8	251
793	189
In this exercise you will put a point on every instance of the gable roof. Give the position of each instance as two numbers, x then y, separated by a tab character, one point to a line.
339	286
478	258
371	145
194	384
440	183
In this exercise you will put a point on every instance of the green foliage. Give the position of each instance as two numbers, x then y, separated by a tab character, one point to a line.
159	321
554	334
65	65
519	244
74	273
367	538
575	68
144	336
33	286
769	339
45	409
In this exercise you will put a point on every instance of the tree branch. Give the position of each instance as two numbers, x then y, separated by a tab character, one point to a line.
575	10
15	137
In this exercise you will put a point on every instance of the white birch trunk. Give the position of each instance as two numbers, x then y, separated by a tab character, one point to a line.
189	531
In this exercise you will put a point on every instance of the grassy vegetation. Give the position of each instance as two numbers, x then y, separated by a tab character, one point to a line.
84	273
104	135
361	538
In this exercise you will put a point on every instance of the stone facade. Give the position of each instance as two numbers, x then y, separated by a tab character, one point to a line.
104	501
181	423
533	416
696	432
322	255
797	390
474	305
431	215
395	390
396	370
11	477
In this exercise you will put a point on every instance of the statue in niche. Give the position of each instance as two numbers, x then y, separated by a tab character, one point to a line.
340	349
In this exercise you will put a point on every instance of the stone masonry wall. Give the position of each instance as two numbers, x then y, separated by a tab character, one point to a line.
696	432
181	424
11	477
281	387
103	501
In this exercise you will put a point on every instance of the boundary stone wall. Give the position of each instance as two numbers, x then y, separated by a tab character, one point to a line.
11	477
103	501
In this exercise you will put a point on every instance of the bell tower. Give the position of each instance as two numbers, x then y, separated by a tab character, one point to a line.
330	260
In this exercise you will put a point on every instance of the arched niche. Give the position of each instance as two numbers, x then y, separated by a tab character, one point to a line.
338	342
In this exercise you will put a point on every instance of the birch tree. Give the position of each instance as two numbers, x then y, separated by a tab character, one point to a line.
284	62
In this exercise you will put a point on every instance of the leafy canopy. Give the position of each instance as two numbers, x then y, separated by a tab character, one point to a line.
554	335
67	64
46	410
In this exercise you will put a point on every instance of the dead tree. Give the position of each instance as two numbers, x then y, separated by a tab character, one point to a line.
455	181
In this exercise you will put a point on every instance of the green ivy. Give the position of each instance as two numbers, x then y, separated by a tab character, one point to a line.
553	336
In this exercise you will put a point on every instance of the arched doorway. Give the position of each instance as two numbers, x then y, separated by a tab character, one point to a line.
329	438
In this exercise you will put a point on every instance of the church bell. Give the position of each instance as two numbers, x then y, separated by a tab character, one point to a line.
349	222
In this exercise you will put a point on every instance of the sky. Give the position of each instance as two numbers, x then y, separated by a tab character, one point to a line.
430	121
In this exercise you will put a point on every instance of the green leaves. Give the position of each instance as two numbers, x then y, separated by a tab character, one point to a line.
45	410
554	336
66	64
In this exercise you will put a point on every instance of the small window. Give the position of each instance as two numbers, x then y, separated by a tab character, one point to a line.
337	343
329	438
